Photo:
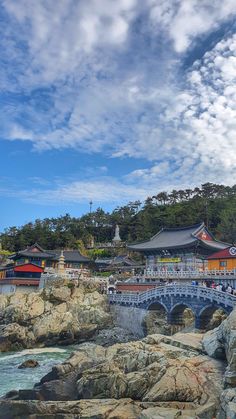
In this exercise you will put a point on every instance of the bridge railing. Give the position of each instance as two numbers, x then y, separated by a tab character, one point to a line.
198	292
214	274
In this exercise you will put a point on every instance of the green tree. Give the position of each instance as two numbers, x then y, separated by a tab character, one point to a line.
227	226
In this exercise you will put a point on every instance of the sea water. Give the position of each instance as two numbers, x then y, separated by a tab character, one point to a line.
13	378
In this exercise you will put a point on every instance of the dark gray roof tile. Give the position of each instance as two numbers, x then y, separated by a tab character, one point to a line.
169	238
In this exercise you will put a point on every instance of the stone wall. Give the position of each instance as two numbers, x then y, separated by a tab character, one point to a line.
130	318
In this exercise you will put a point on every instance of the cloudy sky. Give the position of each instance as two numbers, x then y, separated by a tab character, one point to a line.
112	101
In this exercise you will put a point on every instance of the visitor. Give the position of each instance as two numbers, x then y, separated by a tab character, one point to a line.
223	288
229	289
219	287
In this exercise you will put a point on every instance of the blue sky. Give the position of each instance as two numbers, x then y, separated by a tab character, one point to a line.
112	101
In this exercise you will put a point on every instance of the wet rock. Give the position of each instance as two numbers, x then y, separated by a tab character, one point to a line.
29	363
13	395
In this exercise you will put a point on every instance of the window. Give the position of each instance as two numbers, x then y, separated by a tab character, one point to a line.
223	263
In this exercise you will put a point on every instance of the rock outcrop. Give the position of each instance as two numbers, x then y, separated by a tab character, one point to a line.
56	315
221	343
29	363
102	409
153	372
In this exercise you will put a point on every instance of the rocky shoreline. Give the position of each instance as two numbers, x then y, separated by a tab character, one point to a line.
156	377
58	315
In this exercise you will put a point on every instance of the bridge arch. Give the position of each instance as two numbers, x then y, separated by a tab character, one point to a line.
176	314
205	315
155	320
157	306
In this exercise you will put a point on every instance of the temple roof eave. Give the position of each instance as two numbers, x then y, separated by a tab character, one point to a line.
214	246
159	249
168	239
39	255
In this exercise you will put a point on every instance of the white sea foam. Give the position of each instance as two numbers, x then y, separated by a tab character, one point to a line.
34	351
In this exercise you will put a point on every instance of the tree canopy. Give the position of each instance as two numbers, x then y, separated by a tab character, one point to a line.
214	204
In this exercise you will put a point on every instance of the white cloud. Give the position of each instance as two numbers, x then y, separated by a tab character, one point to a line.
61	39
197	142
184	20
107	93
100	191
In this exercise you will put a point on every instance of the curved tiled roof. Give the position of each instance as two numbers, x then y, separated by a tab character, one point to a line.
169	238
229	253
70	255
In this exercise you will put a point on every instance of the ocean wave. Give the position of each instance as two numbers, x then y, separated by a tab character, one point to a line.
34	351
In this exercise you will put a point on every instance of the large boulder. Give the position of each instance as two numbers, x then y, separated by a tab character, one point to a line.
221	343
213	343
15	337
57	294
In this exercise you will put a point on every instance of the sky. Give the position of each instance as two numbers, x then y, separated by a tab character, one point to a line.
112	101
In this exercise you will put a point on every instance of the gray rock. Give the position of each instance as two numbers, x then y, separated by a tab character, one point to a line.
29	363
213	344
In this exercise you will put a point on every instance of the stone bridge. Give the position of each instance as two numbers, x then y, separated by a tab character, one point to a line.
174	299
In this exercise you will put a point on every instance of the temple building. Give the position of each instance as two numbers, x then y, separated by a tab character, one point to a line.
179	249
24	277
223	260
50	258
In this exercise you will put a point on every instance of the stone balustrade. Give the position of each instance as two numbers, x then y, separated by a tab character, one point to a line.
174	299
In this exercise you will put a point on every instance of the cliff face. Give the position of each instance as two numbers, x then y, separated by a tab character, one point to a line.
56	315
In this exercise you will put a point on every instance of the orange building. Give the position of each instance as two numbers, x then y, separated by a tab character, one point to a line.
223	260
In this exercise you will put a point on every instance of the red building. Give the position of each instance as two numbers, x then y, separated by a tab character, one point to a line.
24	277
223	260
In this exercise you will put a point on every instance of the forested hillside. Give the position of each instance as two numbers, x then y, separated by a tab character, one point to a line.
211	203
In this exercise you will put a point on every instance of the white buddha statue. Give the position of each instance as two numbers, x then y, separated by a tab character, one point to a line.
117	234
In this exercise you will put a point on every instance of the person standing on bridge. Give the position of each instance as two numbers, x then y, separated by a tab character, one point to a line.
229	289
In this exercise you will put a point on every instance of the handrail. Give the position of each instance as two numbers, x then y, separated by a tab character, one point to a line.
150	273
211	294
